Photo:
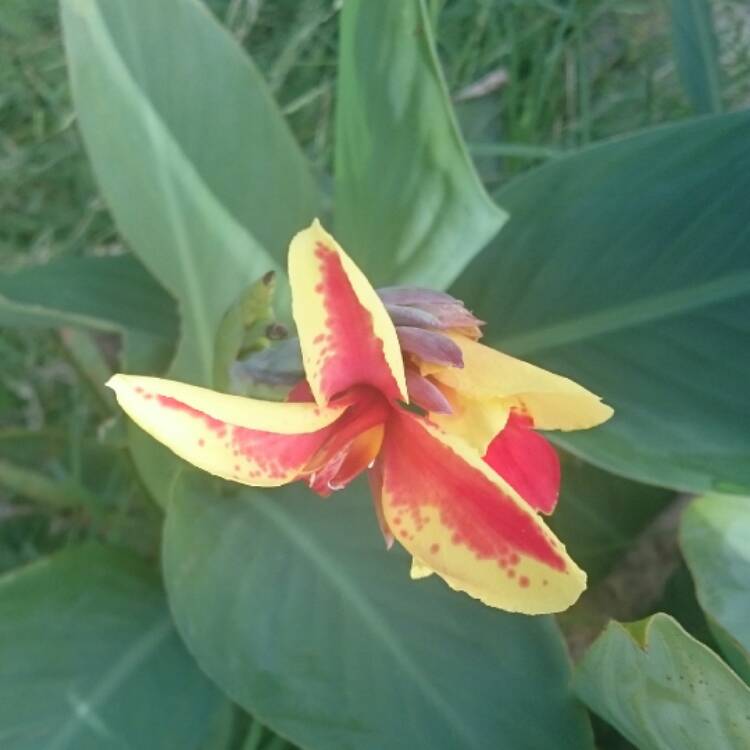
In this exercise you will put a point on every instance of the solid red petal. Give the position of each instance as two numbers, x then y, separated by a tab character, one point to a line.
527	462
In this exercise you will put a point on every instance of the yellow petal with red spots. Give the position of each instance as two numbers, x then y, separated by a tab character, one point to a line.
346	335
461	520
552	401
260	443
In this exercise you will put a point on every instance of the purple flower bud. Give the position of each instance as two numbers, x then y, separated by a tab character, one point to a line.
451	315
426	394
411	316
430	346
412	295
426	308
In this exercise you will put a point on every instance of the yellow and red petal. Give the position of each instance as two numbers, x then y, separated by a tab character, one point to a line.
464	522
375	479
527	462
352	446
346	335
477	422
260	443
552	401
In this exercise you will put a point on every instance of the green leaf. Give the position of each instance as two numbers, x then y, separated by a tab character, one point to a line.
409	204
625	267
697	53
599	514
106	294
664	690
715	540
202	174
244	327
89	659
294	607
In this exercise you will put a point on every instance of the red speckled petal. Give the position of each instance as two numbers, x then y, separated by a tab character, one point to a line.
460	519
260	443
527	462
346	335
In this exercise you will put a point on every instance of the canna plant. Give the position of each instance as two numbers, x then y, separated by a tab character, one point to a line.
457	483
275	620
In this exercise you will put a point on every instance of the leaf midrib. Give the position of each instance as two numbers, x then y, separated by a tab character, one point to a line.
130	660
369	615
629	315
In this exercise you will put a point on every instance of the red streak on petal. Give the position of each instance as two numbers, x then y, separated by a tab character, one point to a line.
434	548
421	473
523	582
272	453
525	460
354	354
172	403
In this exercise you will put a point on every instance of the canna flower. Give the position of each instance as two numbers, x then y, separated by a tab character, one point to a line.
396	385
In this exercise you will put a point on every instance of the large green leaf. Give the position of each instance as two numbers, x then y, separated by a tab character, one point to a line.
697	53
625	266
89	660
715	539
294	607
663	689
409	205
109	294
196	163
598	514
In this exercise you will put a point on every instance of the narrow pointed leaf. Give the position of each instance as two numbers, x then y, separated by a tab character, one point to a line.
89	659
204	179
625	267
697	53
325	638
664	690
409	205
105	294
715	540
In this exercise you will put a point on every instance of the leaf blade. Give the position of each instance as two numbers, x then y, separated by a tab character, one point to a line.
113	293
663	689
357	645
91	660
713	536
409	204
204	206
632	279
